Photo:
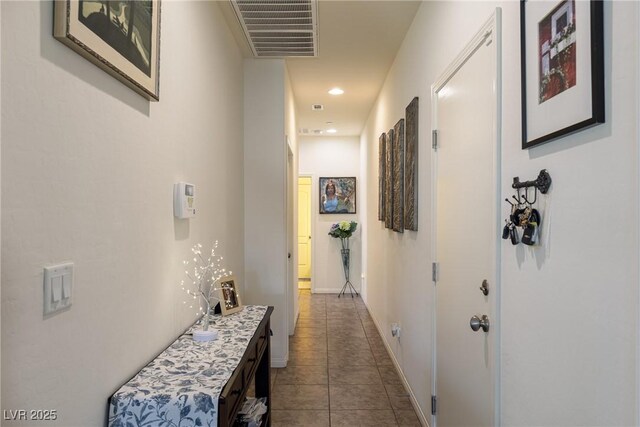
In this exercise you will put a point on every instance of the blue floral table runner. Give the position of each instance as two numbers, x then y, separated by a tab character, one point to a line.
181	386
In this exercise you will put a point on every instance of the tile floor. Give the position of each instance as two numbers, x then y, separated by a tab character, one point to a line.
339	372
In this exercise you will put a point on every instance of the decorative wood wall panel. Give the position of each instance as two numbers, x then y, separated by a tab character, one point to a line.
388	181
381	175
398	177
411	167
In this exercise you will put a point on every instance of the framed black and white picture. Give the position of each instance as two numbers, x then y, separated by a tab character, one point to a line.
121	37
562	68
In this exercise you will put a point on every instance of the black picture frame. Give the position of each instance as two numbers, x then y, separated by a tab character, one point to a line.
571	109
346	192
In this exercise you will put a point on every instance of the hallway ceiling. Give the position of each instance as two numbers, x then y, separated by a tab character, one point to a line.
358	41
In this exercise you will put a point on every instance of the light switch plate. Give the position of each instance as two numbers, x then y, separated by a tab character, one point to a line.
58	286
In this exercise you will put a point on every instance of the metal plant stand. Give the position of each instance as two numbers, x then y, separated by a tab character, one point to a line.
345	252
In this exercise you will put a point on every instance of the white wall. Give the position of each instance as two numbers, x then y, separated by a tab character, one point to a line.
292	223
569	307
265	157
326	157
88	168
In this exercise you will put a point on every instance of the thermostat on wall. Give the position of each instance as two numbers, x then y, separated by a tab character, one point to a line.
184	200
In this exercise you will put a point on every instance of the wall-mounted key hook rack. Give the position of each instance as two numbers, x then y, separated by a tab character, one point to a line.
542	183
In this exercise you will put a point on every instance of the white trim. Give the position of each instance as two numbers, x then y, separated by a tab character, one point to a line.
637	422
314	209
279	362
331	291
492	25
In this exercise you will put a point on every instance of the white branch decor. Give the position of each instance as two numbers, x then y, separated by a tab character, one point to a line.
203	275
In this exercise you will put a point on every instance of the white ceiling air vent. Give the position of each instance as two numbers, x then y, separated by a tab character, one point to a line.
279	28
317	107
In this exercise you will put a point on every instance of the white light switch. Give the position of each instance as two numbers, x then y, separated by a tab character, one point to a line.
66	286
58	281
56	288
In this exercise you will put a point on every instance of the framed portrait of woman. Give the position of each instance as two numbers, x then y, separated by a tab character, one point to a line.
337	195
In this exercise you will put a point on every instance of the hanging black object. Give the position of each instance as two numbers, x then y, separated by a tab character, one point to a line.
542	182
523	214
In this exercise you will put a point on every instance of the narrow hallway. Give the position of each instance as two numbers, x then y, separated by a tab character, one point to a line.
339	372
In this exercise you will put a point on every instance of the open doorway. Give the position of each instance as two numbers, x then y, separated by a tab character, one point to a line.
304	232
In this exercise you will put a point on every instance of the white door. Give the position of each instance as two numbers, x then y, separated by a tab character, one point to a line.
304	228
466	110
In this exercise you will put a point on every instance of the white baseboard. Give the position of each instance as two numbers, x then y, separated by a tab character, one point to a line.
330	291
414	402
279	362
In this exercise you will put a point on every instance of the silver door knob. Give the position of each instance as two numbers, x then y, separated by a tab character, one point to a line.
476	323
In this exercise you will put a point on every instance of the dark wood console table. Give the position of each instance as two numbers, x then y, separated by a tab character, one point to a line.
255	365
202	383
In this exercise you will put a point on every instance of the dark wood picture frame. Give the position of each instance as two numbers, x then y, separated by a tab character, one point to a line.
587	89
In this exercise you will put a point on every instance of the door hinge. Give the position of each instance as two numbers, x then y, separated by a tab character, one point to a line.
433	405
434	271
434	139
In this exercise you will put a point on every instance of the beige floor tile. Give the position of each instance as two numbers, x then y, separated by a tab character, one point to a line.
381	356
315	332
306	322
407	418
363	418
358	397
314	313
388	373
350	331
398	397
303	375
370	330
348	343
299	418
286	396
351	358
333	322
363	313
376	342
308	358
344	315
354	375
308	344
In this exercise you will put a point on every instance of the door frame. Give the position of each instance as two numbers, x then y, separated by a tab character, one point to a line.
291	248
492	25
312	224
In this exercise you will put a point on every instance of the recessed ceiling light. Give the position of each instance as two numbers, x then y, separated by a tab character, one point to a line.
331	131
336	91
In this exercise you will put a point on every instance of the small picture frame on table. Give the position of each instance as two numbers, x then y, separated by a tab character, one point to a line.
229	298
